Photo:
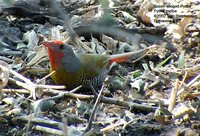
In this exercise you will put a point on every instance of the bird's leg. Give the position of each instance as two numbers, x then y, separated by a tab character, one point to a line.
92	89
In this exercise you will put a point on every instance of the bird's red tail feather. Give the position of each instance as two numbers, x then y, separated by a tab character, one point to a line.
120	59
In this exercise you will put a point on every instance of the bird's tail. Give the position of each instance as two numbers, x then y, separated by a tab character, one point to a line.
134	55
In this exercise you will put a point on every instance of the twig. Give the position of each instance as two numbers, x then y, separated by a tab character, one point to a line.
36	121
189	84
184	78
11	52
29	123
49	130
89	126
85	9
40	80
71	119
29	85
61	94
21	91
64	128
112	126
50	86
133	105
6	59
84	46
173	96
92	132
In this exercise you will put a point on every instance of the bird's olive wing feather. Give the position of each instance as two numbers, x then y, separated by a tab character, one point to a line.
94	64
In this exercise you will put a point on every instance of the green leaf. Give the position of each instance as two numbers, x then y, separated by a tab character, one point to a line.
181	60
43	105
136	74
163	62
145	66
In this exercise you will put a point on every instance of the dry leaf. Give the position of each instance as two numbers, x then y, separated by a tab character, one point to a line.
110	42
181	110
41	53
177	31
96	47
144	11
116	110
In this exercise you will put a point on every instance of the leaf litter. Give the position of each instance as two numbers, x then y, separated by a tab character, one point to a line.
156	94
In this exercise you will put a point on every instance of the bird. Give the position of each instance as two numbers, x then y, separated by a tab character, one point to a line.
74	69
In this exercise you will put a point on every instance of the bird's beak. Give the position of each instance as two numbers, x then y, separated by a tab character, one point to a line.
47	44
51	44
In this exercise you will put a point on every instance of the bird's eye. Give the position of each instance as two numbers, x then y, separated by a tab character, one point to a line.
62	46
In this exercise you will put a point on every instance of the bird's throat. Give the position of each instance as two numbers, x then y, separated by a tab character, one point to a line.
55	58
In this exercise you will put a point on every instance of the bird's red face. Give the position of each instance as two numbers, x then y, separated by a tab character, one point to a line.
52	44
55	51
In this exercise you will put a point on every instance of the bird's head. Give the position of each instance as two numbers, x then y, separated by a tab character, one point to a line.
58	52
